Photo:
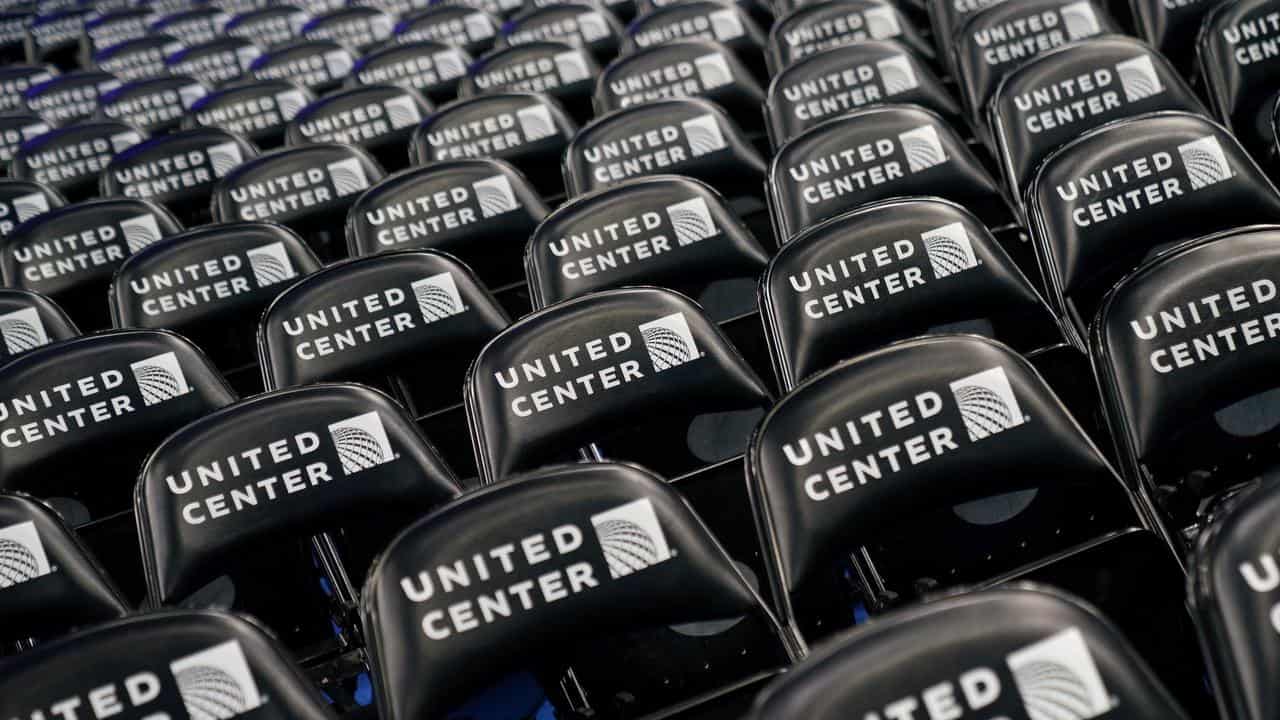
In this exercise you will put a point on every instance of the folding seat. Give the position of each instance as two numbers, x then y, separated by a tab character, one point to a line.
722	22
683	68
501	580
394	8
431	67
70	253
889	271
69	159
211	284
153	105
814	27
379	119
15	129
360	28
528	130
407	322
831	83
270	26
216	62
136	59
308	188
255	110
21	200
316	65
49	582
1171	28
1233	592
1114	195
113	27
177	664
29	321
192	26
275	506
474	30
946	461
16	79
13	33
54	34
68	98
480	210
995	41
1053	99
581	24
1024	652
1239	73
554	67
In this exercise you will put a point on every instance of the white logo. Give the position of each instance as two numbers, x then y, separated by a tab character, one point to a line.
108	86
380	26
897	75
171	48
592	27
270	264
692	221
949	249
987	404
438	297
338	63
140	231
449	65
1205	162
403	112
125	140
29	206
246	55
1139	79
704	135
160	378
536	122
669	342
726	25
1079	19
495	196
631	538
189	94
22	555
290	102
224	158
216	684
922	148
22	330
361	442
478	27
1058	679
348	176
713	71
572	67
882	22
35	130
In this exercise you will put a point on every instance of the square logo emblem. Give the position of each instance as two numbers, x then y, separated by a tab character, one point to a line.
922	148
726	25
270	264
246	55
338	63
438	297
217	682
703	133
536	122
22	330
361	442
348	176
448	65
22	555
189	94
289	103
692	221
1205	162
1139	79
478	27
882	23
1058	678
669	342
29	206
34	130
949	249
571	67
897	75
402	112
160	378
592	27
713	71
224	158
631	538
125	140
140	232
495	196
987	403
1079	19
